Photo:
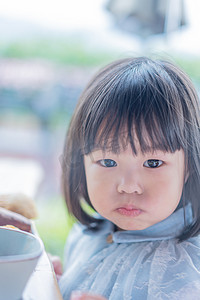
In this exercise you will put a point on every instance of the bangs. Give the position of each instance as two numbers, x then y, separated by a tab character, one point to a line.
138	107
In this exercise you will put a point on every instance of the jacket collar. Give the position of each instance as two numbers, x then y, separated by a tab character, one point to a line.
169	228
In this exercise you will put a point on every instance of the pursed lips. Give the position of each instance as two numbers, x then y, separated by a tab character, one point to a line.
129	210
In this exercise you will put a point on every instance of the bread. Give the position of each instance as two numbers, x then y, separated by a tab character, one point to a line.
19	203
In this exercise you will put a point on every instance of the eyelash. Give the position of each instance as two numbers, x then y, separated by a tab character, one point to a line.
109	163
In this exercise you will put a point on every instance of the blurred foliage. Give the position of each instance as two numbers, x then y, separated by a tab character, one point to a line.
77	52
53	225
191	66
63	51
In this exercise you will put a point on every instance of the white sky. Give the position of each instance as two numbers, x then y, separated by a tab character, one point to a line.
60	14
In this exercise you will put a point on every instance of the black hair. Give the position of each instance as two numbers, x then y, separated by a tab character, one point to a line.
133	96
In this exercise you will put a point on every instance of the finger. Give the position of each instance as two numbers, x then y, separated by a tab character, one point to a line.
56	262
78	295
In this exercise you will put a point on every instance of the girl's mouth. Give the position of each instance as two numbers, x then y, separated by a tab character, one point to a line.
129	211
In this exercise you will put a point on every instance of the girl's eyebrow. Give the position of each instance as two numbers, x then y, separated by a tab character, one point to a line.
154	153
103	149
157	152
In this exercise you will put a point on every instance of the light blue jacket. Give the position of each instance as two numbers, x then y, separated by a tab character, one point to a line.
137	265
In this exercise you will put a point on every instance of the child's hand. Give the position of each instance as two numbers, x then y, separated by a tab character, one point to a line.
57	265
78	295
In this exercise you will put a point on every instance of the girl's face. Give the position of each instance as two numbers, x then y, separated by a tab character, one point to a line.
134	192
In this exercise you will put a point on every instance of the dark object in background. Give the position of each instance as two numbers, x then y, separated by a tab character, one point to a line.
148	17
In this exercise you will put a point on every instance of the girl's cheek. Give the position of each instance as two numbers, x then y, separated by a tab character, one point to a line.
101	173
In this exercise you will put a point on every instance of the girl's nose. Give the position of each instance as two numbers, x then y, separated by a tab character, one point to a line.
130	185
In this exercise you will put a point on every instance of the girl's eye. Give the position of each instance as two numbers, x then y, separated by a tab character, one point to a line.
108	163
153	163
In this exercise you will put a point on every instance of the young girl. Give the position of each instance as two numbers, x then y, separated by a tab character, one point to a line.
132	153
